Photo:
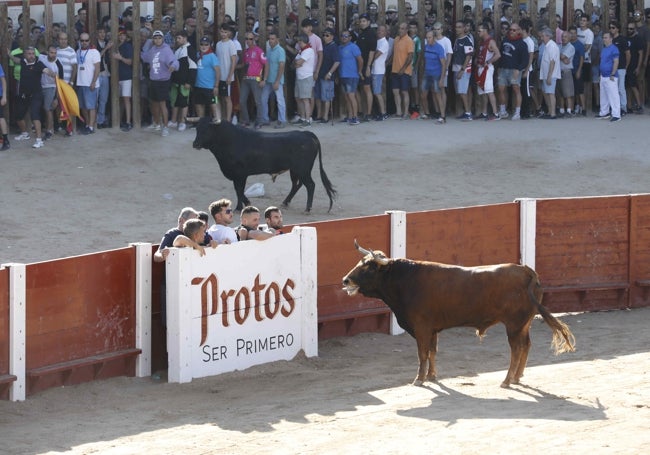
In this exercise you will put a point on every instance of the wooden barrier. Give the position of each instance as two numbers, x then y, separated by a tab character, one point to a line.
85	306
591	254
582	252
5	378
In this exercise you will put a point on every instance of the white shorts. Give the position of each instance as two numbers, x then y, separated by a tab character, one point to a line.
126	88
488	86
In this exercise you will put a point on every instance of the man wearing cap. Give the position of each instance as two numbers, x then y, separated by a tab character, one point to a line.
252	82
391	15
162	63
325	84
208	75
367	42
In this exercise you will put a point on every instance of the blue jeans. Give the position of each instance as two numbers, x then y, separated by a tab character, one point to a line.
279	95
104	86
622	93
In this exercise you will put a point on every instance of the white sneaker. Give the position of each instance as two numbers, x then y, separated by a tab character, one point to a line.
38	144
516	116
171	124
503	114
154	127
182	127
22	136
234	120
165	132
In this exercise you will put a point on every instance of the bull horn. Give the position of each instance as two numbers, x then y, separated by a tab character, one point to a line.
192	119
360	249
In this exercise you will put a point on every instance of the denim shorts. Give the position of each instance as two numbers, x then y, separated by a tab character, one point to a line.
429	82
462	84
324	90
507	77
349	84
377	83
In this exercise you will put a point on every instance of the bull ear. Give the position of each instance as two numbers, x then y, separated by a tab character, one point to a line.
379	258
361	250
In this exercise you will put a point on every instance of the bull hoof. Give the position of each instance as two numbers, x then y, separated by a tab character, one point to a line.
418	382
505	385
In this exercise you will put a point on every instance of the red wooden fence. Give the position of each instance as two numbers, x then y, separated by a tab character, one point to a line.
591	254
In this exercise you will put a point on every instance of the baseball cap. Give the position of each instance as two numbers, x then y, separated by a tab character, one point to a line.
158	33
391	9
205	40
166	19
121	30
148	18
364	16
329	31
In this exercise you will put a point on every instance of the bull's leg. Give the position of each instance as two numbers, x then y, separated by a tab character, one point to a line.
242	200
311	186
525	348
516	341
295	186
433	348
424	342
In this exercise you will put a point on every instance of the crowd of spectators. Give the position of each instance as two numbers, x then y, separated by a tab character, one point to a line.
517	69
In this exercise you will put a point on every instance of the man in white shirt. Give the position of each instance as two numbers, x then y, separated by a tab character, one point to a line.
221	212
304	64
88	68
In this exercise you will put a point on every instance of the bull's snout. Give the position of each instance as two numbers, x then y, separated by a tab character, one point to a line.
349	286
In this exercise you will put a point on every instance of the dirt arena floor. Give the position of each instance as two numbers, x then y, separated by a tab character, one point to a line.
91	193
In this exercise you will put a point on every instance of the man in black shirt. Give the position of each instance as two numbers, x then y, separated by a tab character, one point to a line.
367	42
637	47
623	61
30	94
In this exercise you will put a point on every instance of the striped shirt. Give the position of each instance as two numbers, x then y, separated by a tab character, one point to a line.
68	59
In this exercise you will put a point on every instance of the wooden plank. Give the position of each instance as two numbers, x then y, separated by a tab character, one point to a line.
4	321
82	304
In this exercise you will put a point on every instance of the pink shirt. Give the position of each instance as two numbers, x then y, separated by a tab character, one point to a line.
255	58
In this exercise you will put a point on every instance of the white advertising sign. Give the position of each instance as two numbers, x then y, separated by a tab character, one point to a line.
241	305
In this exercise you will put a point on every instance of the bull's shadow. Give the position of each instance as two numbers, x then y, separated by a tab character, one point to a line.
451	405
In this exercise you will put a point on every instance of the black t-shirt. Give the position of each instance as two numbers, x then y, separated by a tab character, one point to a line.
623	45
367	42
30	77
636	44
462	48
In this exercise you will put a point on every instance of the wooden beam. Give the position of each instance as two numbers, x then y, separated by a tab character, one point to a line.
136	116
115	80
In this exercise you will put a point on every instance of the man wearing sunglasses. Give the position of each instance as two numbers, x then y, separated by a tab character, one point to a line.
88	68
220	231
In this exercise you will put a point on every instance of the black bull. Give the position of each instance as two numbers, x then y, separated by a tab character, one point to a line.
241	152
428	297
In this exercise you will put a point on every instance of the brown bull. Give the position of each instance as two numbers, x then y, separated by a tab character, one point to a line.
428	297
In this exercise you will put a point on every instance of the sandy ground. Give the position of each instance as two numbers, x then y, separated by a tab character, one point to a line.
91	193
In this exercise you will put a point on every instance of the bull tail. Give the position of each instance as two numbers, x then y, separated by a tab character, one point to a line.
329	188
563	339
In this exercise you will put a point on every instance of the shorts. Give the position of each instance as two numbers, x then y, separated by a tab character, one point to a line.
431	82
49	94
462	84
585	75
2	112
144	88
87	97
224	89
349	84
304	88
324	90
159	90
630	78
548	89
414	78
179	96
566	84
377	83
31	103
126	88
365	80
488	85
507	77
400	82
204	96
595	74
578	84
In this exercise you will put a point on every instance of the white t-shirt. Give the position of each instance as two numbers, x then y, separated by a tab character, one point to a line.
225	51
446	45
307	68
86	60
222	234
531	48
586	37
379	65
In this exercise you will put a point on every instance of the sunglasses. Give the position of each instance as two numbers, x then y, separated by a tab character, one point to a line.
345	36
227	211
84	40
